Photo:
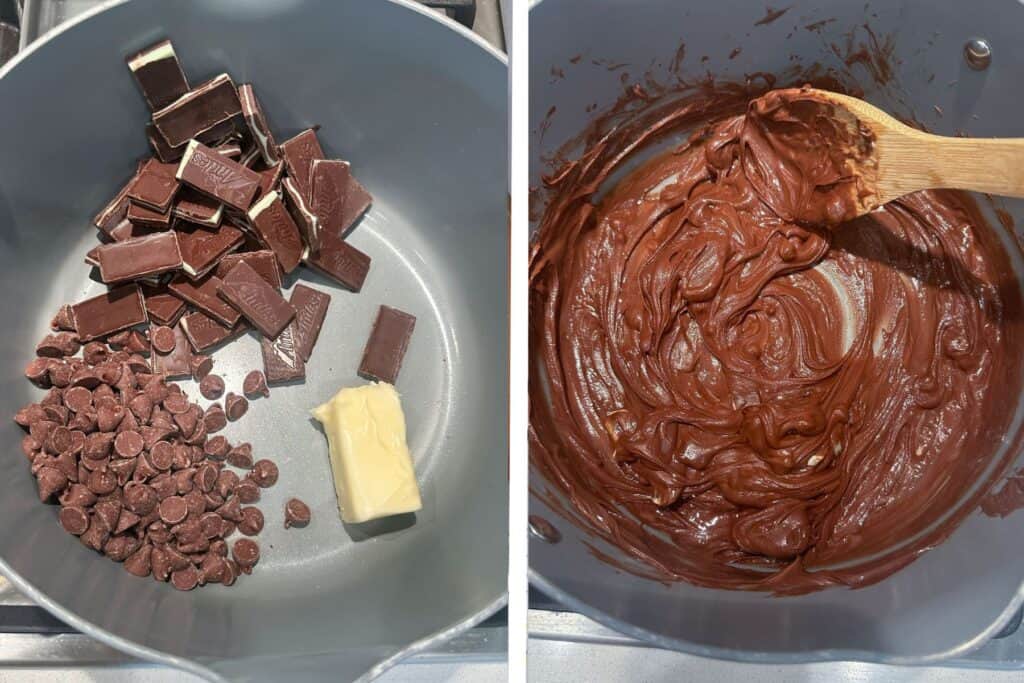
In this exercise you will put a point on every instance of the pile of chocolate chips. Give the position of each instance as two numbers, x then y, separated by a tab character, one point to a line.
135	466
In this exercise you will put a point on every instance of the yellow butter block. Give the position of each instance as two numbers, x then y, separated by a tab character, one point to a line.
373	473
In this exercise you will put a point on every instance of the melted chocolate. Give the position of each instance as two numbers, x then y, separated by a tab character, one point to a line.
734	394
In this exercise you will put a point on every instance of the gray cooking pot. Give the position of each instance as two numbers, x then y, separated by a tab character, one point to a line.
418	106
956	596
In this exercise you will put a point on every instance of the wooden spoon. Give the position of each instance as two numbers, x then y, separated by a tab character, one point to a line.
906	160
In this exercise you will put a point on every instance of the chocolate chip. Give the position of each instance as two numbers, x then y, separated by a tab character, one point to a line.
161	455
246	553
212	524
56	413
95	353
78	399
264	473
140	498
187	422
212	568
50	480
109	373
78	495
194	548
219	546
38	372
29	446
140	366
199	458
217	447
53	397
158	532
101	482
123	470
241	456
64	319
84	421
109	512
255	385
230	572
74	519
77	441
96	535
138	563
296	513
164	485
33	412
226	482
85	378
200	365
161	564
97	445
196	502
173	509
157	392
40	430
206	477
141	406
162	339
129	423
58	344
185	480
176	404
59	440
177	559
128	444
119	548
213	500
235	406
199	434
251	522
189	531
212	387
247	491
108	417
182	457
137	343
60	375
231	509
126	521
214	418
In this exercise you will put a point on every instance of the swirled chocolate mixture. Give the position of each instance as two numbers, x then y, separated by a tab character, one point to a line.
737	385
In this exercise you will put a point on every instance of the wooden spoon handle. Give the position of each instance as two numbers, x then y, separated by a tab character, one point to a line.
910	160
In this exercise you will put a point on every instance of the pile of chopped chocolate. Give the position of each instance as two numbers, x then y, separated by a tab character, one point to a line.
208	225
193	249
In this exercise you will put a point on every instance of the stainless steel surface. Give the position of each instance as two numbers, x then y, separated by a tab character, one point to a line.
477	654
956	597
567	646
329	601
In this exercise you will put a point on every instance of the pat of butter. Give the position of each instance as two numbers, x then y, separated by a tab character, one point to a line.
373	473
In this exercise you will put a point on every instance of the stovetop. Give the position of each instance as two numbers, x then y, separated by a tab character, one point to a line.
34	645
565	645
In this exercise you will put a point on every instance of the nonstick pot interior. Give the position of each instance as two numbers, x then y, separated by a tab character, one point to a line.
955	596
419	109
